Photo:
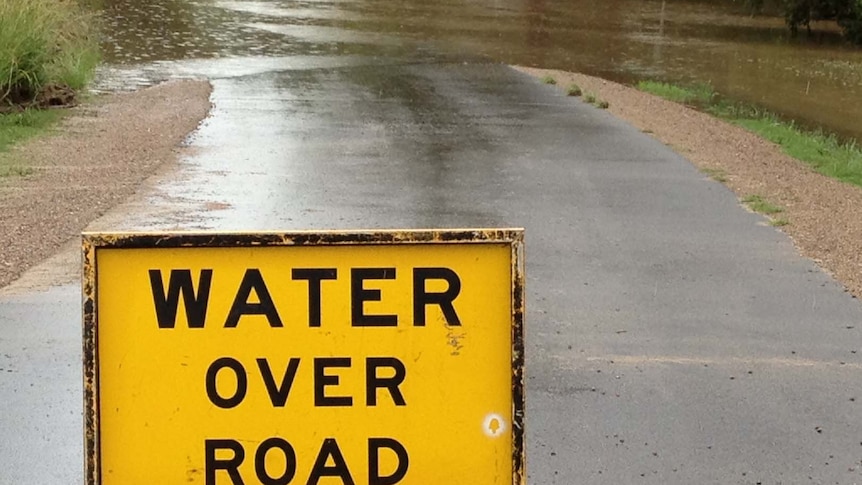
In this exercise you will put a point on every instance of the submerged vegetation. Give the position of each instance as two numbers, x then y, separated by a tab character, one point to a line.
45	45
824	152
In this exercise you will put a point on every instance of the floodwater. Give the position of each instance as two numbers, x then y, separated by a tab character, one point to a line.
815	82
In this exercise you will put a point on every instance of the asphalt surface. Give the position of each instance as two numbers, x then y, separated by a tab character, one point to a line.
672	336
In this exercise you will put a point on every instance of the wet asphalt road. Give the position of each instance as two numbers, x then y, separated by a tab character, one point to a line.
673	337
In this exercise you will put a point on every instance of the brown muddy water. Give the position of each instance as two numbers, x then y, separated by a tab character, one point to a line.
817	82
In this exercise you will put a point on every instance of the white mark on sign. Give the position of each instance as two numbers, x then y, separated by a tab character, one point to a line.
494	425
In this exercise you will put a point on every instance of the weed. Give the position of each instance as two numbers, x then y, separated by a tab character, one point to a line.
574	90
780	222
549	80
716	174
15	171
590	98
760	205
602	104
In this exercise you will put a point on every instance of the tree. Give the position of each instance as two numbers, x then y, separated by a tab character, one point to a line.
847	13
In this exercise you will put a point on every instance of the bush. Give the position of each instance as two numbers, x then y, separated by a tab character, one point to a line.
42	42
847	13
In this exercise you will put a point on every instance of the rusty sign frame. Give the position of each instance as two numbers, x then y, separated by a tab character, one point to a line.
92	242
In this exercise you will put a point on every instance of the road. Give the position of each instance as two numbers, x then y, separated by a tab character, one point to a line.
672	336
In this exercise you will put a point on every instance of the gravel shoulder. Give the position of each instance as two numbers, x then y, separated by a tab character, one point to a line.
824	215
97	158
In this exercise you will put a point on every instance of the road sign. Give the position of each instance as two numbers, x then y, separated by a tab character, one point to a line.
374	358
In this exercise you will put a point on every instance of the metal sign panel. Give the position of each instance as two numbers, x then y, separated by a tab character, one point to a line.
374	358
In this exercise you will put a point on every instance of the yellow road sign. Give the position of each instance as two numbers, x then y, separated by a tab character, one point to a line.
375	358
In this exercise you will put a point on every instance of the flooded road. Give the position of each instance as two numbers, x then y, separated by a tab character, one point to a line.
672	336
744	58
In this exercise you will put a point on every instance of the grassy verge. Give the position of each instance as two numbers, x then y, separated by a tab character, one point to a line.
44	42
698	94
44	45
824	152
17	127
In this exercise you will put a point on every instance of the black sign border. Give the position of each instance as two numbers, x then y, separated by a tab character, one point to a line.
92	242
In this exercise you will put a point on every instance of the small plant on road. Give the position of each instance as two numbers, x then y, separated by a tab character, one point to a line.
602	104
590	98
574	90
760	205
716	174
549	80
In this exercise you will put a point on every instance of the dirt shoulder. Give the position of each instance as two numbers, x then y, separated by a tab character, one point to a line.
96	158
824	215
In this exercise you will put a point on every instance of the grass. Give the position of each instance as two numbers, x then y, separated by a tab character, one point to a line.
43	42
590	98
549	80
716	174
602	104
574	90
762	206
698	94
824	152
17	127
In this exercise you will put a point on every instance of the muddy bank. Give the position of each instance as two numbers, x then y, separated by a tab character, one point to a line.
824	215
96	158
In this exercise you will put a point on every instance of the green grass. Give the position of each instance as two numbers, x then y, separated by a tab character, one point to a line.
42	42
17	127
590	98
13	170
716	174
699	94
824	152
762	206
574	90
602	104
549	80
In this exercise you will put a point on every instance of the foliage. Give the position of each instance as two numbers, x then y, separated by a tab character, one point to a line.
42	42
574	90
800	13
698	94
16	127
824	152
758	204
